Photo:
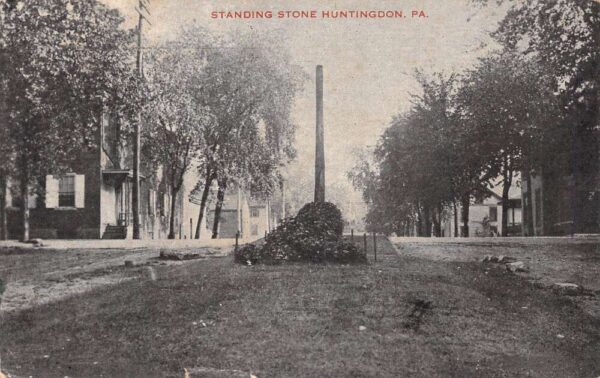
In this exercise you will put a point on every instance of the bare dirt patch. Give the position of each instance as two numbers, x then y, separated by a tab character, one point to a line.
35	276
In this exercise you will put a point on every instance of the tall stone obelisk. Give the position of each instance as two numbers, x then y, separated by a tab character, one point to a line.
320	149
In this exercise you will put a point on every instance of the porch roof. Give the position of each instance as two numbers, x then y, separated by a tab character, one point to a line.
116	177
513	203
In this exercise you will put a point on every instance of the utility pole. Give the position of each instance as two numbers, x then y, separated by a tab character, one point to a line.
135	195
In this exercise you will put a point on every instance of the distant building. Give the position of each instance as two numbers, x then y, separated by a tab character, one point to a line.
263	218
485	215
250	216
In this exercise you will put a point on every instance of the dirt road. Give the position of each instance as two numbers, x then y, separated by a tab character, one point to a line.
549	259
36	276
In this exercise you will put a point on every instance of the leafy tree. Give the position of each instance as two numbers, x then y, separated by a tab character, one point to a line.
248	86
64	63
537	97
506	100
561	37
7	154
173	134
7	151
416	164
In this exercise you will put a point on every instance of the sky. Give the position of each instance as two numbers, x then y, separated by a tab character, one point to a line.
368	63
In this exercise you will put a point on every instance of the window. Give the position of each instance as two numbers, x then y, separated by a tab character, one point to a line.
254	229
66	191
493	214
254	212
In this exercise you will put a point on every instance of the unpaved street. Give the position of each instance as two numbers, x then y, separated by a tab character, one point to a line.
550	260
34	276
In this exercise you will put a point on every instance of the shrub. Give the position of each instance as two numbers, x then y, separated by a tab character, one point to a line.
247	255
346	252
324	219
314	235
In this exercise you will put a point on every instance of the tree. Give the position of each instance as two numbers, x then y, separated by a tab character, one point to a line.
415	164
507	100
561	37
248	86
7	154
64	64
7	151
232	166
430	158
173	136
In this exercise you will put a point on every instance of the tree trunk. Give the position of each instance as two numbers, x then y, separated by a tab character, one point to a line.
427	217
207	184
3	221
437	222
455	219
282	199
528	207
218	207
24	189
419	229
505	200
465	202
174	192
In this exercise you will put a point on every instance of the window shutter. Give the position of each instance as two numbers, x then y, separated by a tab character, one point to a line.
80	191
51	192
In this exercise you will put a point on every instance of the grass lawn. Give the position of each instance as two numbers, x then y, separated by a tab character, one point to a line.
422	317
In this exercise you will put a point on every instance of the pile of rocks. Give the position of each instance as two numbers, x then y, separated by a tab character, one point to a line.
314	235
512	265
560	288
36	242
567	288
180	255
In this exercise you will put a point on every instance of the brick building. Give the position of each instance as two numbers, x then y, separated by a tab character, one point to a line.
93	200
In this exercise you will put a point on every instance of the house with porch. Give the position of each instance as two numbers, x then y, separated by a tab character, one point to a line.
485	215
93	199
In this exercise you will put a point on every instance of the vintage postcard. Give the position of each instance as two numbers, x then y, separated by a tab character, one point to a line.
278	188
